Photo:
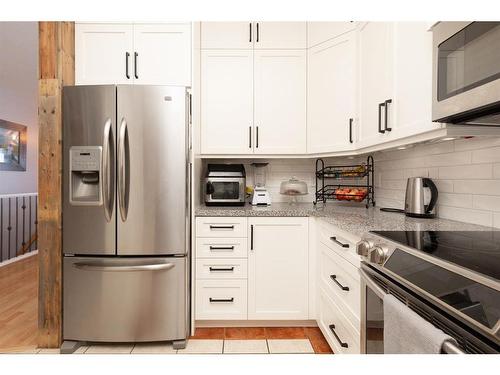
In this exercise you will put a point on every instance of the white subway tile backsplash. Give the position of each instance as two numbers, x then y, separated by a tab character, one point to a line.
454	158
466	214
455	200
486	187
486	155
487	202
466	172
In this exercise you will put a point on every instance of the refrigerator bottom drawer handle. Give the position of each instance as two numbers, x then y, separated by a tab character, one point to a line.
123	268
221	300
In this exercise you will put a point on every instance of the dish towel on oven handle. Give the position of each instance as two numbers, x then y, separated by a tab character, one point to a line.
406	332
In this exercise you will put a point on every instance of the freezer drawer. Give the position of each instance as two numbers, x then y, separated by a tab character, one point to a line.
124	299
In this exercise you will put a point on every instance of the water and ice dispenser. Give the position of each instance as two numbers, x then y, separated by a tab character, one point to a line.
85	175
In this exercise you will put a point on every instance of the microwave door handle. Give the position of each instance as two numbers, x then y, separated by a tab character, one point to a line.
371	284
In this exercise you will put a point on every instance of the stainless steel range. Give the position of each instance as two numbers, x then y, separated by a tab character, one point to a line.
451	279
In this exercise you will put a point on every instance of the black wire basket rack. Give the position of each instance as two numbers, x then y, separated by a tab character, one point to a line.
354	183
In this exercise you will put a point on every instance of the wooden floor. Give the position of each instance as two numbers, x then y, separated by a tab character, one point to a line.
19	305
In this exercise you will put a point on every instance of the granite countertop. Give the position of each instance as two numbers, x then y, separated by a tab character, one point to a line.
354	219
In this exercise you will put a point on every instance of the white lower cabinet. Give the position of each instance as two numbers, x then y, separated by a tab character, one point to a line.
278	268
340	333
338	292
221	299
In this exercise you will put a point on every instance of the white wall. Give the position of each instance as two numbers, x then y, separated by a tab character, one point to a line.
19	97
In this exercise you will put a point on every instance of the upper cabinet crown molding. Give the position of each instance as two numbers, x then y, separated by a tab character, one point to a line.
127	53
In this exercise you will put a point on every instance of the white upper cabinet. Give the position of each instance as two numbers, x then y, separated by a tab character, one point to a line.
319	32
280	101
375	81
280	35
331	95
162	54
278	268
413	79
227	35
156	54
226	101
103	52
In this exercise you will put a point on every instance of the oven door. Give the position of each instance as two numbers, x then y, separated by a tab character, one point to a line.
466	73
222	190
372	312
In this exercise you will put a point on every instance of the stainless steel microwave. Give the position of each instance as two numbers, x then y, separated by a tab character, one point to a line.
225	185
466	73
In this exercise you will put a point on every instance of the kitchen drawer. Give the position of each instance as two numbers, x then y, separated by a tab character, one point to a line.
221	227
221	268
339	242
341	279
221	299
336	327
221	248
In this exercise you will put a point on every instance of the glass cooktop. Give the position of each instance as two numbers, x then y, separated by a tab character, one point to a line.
476	251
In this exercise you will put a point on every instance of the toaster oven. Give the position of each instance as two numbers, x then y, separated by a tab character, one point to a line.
225	185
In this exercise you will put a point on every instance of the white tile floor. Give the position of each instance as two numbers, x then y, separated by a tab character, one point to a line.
199	347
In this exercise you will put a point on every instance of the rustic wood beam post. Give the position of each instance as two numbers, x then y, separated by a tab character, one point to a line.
56	69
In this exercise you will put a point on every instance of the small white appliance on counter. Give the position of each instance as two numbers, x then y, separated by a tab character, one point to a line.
261	196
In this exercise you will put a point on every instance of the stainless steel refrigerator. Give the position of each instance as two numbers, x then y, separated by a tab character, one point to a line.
126	214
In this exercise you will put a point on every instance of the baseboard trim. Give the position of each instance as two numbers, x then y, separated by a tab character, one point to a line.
18	258
254	323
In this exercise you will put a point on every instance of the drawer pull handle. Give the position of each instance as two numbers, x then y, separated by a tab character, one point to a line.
221	300
334	239
342	344
221	248
334	278
221	269
221	227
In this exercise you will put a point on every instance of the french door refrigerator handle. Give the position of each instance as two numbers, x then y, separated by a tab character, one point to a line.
122	170
100	266
106	191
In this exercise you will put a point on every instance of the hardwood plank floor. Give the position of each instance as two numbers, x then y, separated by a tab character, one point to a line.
19	305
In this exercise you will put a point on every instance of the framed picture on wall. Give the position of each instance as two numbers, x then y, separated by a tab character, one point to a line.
12	146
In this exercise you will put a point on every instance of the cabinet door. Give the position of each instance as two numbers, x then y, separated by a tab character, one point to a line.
227	35
376	78
280	102
412	106
163	54
226	101
332	95
319	32
278	268
101	54
275	35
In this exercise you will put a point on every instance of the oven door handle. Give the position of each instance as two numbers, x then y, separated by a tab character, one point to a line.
448	346
371	284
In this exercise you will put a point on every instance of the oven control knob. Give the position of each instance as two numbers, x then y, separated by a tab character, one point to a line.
379	254
363	248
